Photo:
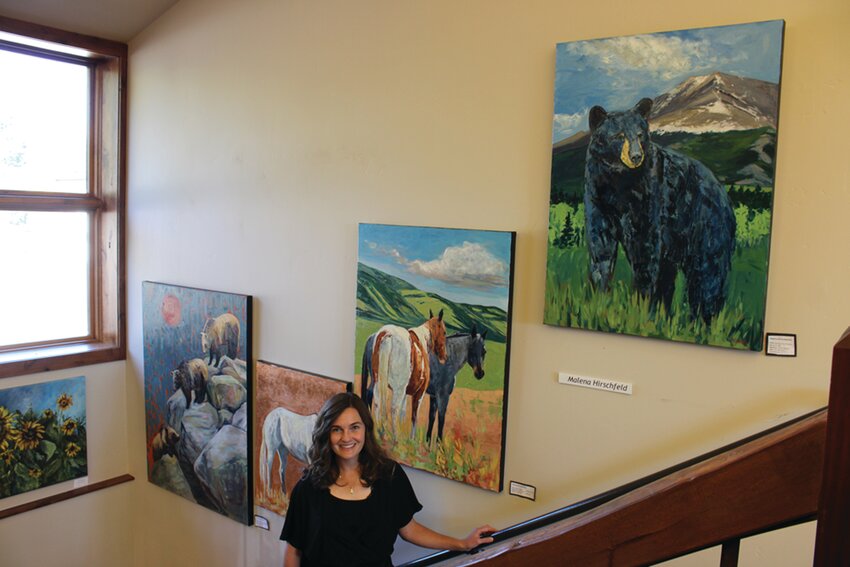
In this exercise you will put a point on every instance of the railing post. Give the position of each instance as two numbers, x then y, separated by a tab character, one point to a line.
832	546
729	553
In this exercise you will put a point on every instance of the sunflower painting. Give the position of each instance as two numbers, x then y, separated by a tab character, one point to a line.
42	435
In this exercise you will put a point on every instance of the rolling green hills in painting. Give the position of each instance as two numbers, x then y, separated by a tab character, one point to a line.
387	299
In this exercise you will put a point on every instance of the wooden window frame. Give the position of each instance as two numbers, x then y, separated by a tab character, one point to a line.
106	200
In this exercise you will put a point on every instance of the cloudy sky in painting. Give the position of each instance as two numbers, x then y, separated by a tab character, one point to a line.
617	72
466	266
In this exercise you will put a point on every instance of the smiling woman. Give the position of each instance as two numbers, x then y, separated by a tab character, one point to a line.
353	501
62	113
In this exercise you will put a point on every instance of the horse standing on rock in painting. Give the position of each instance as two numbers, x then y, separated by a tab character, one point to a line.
284	432
460	349
398	365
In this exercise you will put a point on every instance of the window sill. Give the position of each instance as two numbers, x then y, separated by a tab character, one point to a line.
57	357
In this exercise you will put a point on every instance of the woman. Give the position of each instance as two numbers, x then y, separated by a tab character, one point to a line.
353	500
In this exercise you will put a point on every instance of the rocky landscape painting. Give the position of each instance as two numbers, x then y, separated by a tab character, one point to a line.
662	184
197	357
287	403
42	435
432	346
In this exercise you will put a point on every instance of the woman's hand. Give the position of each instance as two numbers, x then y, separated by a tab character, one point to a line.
478	536
414	532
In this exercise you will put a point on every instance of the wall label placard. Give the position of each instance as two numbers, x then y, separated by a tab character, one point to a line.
523	490
595	383
261	522
781	344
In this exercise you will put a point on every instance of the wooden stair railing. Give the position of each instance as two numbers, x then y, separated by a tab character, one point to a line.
792	473
831	543
771	482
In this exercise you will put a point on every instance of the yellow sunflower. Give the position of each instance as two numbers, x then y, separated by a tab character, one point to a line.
47	414
6	422
6	456
69	427
72	449
28	435
35	473
64	401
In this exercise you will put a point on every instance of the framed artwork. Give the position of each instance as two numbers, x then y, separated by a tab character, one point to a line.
663	166
197	346
42	435
288	401
432	346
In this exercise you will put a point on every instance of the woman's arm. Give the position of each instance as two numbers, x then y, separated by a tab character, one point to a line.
416	533
291	556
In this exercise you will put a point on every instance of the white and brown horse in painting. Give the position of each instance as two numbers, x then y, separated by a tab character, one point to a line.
398	366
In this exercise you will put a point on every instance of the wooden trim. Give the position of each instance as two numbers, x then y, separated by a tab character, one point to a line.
44	53
48	500
110	165
771	482
57	357
831	545
94	45
31	201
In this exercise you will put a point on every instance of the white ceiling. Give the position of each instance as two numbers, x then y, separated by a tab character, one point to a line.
118	20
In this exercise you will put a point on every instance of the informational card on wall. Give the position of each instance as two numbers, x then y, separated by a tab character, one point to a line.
781	344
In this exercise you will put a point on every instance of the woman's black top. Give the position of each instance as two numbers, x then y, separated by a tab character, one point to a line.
331	532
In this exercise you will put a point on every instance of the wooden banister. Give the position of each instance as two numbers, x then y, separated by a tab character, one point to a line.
771	482
831	545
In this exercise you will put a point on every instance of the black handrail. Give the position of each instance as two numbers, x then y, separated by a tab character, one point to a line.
604	497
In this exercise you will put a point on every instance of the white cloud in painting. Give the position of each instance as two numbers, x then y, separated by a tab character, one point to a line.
468	265
662	56
565	124
386	251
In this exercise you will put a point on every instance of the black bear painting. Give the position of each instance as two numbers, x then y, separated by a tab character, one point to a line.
666	210
663	168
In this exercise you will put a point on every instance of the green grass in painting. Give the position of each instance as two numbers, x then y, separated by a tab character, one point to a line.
572	302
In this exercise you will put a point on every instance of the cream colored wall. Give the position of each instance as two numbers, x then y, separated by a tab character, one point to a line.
262	132
90	530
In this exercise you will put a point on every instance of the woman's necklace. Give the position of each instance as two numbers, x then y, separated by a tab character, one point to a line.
350	486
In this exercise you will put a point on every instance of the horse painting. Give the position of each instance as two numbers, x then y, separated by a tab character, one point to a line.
284	432
399	365
460	349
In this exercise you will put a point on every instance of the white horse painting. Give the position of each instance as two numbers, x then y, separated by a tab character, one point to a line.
284	432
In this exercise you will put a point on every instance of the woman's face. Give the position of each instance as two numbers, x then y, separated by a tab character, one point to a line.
347	435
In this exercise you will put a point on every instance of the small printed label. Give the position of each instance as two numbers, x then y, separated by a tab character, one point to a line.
595	383
523	490
81	482
261	522
781	344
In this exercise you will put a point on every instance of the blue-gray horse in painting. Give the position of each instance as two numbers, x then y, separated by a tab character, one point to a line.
461	348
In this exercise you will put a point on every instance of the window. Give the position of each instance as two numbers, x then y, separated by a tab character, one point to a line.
62	112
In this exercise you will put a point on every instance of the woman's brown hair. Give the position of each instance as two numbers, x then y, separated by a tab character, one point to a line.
323	470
